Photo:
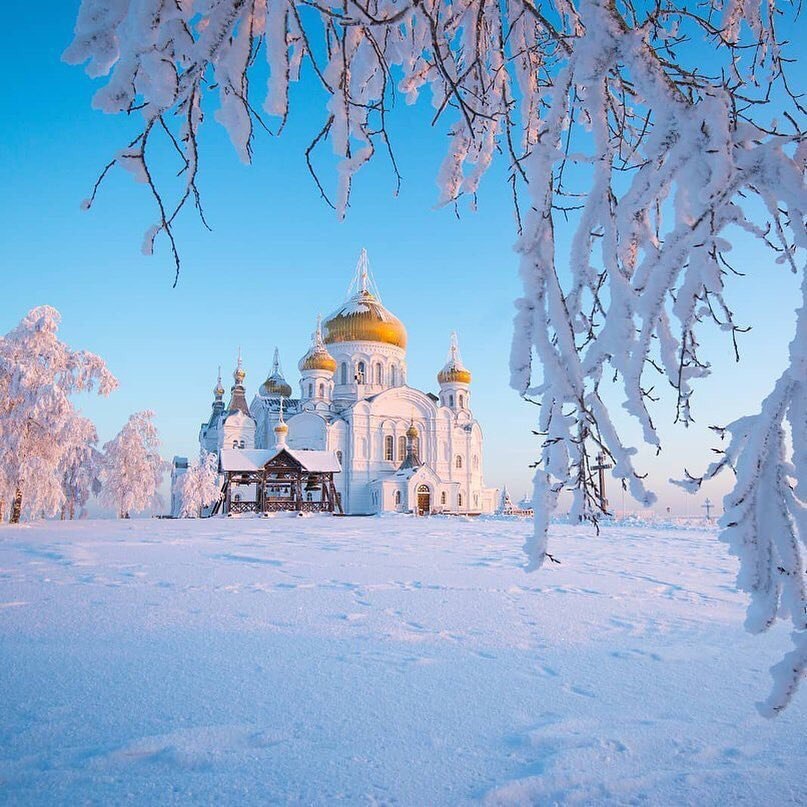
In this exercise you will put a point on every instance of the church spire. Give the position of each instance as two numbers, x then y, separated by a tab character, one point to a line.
238	400
412	460
363	283
275	384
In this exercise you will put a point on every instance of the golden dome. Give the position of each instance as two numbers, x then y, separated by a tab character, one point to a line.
317	357
363	319
412	431
281	428
276	385
454	375
318	361
454	371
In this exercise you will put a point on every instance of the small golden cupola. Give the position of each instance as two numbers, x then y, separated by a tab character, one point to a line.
317	357
275	385
454	371
363	318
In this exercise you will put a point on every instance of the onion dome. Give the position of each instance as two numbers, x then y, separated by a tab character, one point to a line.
454	371
363	318
317	357
218	390
239	374
275	385
412	431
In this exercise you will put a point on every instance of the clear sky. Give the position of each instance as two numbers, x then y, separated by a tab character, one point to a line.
277	256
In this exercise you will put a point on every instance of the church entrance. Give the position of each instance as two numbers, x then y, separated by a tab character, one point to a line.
424	500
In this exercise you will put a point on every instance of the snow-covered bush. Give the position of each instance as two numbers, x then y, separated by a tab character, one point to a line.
131	468
651	130
200	485
42	437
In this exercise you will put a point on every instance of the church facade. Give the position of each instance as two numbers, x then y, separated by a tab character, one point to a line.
399	449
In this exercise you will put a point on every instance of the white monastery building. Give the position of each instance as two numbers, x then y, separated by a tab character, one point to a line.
398	448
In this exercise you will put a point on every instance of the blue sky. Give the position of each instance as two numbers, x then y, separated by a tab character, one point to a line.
277	256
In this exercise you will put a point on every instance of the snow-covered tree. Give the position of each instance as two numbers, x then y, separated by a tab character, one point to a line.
200	485
653	130
131	468
39	427
80	469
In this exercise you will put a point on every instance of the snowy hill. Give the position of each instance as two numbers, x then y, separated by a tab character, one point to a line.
382	660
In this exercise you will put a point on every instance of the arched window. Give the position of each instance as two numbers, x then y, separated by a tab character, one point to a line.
379	374
462	402
458	461
401	448
310	390
339	458
343	373
397	498
363	448
459	500
443	497
321	390
389	446
393	380
241	444
451	400
309	497
361	372
235	443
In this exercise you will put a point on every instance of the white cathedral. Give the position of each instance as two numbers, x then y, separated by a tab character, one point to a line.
396	448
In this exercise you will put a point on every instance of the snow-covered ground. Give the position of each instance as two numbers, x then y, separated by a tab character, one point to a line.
382	660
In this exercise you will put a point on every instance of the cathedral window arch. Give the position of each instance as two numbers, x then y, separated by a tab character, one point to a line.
459	500
379	374
443	498
397	498
393	376
451	399
361	372
241	444
343	373
458	461
235	443
310	390
322	390
389	447
401	448
339	458
462	401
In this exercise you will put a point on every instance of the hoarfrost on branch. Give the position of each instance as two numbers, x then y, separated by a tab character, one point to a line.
611	124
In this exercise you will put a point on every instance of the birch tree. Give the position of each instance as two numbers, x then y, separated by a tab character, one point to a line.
653	130
131	468
39	426
200	485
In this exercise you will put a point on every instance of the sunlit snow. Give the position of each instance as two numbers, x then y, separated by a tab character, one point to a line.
382	660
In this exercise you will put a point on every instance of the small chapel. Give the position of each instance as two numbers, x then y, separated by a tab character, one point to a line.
357	439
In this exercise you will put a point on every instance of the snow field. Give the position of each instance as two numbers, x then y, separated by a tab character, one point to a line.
382	661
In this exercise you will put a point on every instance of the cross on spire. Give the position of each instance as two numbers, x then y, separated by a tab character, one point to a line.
363	281
708	507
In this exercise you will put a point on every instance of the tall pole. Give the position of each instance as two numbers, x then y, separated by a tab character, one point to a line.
708	507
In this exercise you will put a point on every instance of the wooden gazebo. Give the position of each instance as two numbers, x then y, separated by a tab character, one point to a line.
270	481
